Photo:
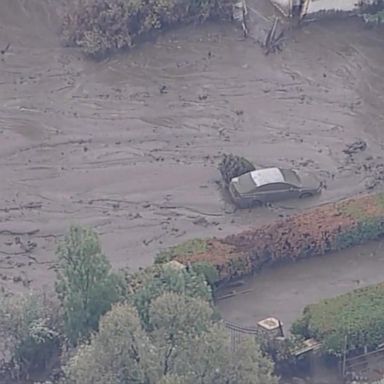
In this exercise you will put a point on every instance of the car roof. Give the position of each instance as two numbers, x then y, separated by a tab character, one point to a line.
267	176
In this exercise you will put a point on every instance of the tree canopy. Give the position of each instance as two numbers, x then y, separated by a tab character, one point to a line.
184	345
85	284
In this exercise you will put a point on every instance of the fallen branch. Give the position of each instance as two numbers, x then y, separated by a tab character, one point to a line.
273	39
16	233
26	206
13	253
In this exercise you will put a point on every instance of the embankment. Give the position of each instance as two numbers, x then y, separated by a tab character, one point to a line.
327	228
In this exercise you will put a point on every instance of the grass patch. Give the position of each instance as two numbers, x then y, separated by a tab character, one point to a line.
183	250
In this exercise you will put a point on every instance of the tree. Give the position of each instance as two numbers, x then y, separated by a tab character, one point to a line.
153	282
119	353
175	320
210	360
29	333
184	345
85	284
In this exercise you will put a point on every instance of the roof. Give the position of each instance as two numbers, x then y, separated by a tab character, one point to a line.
308	346
267	176
174	264
315	6
270	323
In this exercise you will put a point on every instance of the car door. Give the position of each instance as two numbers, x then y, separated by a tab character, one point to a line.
278	191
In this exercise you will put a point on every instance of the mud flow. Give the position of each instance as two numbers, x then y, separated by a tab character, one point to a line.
130	145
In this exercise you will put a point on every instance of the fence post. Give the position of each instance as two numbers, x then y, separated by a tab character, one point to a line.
344	356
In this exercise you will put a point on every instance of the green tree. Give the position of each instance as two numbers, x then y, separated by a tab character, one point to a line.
153	282
29	332
85	283
175	320
119	353
184	345
210	360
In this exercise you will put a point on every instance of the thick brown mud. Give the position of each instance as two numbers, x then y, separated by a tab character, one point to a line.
99	144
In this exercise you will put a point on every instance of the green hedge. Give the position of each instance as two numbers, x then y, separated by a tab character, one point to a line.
100	27
358	315
327	228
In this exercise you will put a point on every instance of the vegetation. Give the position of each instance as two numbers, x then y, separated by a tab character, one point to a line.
157	325
330	227
183	346
148	285
30	329
189	247
85	285
100	27
357	316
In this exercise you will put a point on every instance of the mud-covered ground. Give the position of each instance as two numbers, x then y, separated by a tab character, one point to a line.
99	144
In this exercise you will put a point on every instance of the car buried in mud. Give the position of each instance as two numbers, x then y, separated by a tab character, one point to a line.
272	184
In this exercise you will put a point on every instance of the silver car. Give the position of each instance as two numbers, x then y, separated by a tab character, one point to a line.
271	184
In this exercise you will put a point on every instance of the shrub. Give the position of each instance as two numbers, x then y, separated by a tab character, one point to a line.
358	315
208	271
99	27
189	247
330	227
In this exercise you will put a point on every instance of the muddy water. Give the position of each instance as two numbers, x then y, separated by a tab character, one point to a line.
284	291
98	144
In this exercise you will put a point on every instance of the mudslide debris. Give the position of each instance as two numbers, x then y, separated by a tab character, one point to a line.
355	147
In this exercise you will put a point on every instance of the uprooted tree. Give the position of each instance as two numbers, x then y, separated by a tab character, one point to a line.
232	166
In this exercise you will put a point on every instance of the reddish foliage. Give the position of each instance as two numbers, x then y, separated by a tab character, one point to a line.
311	233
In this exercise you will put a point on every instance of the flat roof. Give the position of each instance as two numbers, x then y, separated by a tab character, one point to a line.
267	176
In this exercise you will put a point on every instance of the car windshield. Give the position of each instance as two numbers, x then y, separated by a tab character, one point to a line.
246	183
291	177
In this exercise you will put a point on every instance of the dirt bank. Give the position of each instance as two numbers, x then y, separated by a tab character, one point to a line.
99	144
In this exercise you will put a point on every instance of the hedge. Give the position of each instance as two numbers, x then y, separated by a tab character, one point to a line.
329	227
100	27
358	315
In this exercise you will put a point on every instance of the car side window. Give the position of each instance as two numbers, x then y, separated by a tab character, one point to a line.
281	186
274	187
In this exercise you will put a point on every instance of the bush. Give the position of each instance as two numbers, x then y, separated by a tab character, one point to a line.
358	315
330	227
189	247
29	333
208	271
99	27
